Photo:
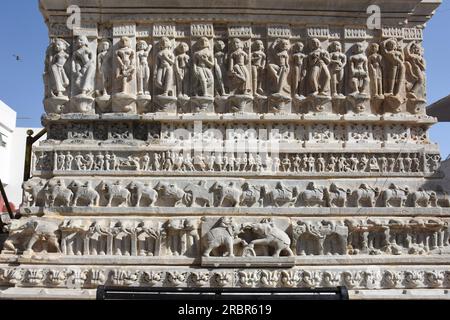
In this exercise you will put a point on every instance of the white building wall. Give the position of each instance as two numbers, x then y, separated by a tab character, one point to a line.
7	127
17	163
12	156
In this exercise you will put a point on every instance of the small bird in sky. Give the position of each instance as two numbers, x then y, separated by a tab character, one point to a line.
18	58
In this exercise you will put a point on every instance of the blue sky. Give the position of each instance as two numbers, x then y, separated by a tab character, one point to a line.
24	33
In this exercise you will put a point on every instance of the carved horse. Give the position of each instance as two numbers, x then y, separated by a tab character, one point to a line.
395	195
336	197
365	194
423	198
313	197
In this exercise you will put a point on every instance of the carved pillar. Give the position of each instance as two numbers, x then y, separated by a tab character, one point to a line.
109	244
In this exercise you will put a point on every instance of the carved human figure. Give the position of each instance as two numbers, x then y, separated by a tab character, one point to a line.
220	61
354	161
104	64
238	68
297	163
60	162
338	60
125	70
83	66
332	162
375	67
321	163
278	68
165	61
145	162
373	164
258	67
318	76
394	72
69	161
286	163
55	76
97	236
384	163
182	63
143	70
298	58
121	235
203	65
90	161
415	69
79	162
359	73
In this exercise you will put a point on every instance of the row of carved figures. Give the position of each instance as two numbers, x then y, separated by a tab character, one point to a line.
187	161
291	278
181	237
55	193
239	70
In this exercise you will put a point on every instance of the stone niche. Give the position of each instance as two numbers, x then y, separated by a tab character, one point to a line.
223	149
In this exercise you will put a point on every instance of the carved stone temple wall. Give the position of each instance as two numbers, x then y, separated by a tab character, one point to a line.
253	144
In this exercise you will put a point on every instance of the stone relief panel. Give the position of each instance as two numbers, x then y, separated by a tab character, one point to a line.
179	68
307	134
225	237
354	279
64	192
181	161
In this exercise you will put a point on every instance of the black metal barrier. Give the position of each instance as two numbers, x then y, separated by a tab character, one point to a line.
220	294
29	151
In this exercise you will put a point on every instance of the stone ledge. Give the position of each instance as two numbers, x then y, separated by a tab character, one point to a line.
401	294
225	262
229	117
237	174
270	262
189	211
47	294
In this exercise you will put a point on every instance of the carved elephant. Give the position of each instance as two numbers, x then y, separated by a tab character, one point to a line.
224	233
31	232
59	193
227	192
172	192
84	192
199	193
116	191
143	191
33	193
271	236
